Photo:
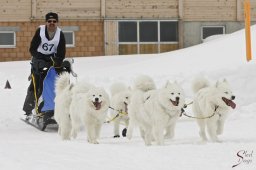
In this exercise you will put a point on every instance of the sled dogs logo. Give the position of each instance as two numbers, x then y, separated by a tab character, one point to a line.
244	156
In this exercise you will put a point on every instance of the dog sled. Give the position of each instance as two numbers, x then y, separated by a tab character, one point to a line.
42	116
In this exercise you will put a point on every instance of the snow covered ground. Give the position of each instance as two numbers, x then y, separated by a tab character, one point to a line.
23	147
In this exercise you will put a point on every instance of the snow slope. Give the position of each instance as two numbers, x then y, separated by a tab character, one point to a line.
23	147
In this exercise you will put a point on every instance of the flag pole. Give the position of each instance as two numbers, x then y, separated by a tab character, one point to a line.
247	19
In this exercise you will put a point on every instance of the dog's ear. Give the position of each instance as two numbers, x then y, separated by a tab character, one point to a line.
218	82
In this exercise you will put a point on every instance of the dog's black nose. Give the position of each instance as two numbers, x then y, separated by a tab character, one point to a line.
96	99
177	98
233	97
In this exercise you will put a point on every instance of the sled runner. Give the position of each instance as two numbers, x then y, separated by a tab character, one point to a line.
42	114
38	123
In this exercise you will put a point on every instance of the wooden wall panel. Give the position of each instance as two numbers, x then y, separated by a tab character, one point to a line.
188	10
168	47
253	10
210	10
148	48
125	49
240	10
142	9
70	9
15	10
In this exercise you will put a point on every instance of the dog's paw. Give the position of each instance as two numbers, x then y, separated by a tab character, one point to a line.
93	141
216	140
148	143
169	136
117	136
203	136
65	137
202	142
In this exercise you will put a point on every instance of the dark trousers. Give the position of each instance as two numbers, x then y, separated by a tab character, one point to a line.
33	94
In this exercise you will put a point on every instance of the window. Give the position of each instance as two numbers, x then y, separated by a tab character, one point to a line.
70	38
7	39
127	31
207	31
147	36
168	31
148	31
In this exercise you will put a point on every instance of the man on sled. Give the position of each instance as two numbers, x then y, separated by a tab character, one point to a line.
48	49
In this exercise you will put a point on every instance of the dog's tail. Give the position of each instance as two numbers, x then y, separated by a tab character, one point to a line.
62	82
199	83
144	83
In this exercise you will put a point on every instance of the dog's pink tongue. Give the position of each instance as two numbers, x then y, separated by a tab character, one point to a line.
175	103
229	102
232	104
97	105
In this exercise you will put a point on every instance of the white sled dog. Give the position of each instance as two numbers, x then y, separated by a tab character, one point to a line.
213	102
156	111
143	83
120	98
64	92
90	109
62	103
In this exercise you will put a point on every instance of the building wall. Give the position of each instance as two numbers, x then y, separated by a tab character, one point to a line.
192	30
188	10
89	39
23	37
93	37
210	10
143	9
15	10
198	13
68	9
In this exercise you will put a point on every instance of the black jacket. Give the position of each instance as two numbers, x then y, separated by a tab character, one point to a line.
61	49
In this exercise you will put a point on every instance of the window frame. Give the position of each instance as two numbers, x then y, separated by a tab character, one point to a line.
73	38
177	35
14	40
135	35
158	42
212	26
157	31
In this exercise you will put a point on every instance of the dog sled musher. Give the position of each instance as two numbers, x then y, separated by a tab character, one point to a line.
41	92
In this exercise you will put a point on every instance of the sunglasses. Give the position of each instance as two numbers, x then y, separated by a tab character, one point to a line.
51	21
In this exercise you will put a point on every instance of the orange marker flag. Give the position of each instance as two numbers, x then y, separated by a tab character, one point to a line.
247	19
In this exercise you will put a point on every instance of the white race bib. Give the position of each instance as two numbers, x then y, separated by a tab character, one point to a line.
48	46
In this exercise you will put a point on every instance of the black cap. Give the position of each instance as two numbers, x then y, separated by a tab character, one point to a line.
51	15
